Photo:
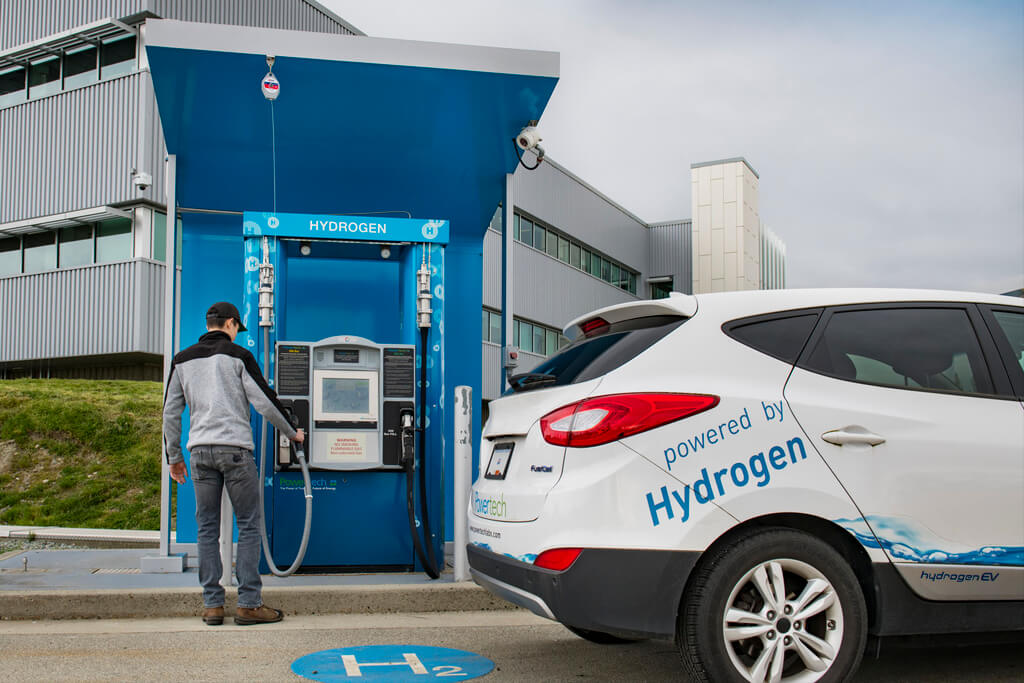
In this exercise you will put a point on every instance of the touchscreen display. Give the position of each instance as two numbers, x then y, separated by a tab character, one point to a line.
346	395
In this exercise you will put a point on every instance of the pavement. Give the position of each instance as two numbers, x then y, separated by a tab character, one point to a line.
107	583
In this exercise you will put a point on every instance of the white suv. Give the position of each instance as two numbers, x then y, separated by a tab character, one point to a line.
767	477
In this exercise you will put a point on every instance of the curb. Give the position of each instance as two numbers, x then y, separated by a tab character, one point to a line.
305	600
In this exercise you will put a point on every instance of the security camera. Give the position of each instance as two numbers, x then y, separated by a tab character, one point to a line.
142	180
528	138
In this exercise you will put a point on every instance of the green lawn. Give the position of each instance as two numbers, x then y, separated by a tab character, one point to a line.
80	453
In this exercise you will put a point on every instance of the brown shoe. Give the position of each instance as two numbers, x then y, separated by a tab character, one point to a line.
244	616
214	616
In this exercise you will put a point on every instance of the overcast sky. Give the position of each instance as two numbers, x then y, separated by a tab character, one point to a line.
889	136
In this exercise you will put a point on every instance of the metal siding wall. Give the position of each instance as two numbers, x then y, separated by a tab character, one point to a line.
100	309
546	290
560	200
71	151
295	15
671	254
24	21
491	357
491	353
551	292
492	269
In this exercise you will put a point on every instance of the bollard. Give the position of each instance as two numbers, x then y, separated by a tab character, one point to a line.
463	466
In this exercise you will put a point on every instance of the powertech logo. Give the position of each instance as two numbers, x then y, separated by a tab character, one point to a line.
489	507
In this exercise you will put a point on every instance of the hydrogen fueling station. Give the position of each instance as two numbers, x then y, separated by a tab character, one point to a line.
338	189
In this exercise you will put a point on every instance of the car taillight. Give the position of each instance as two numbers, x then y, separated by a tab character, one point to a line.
558	559
603	419
593	326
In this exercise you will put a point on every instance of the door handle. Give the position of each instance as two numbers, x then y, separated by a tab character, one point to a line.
852	434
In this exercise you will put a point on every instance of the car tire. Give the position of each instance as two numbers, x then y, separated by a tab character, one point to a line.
734	626
600	637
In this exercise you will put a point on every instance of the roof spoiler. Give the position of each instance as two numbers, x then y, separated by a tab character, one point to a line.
684	305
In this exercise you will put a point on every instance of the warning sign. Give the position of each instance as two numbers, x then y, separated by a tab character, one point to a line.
348	447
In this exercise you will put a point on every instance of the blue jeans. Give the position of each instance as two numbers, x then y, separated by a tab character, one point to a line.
213	469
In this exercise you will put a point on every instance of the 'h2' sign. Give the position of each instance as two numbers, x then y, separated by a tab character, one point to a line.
392	663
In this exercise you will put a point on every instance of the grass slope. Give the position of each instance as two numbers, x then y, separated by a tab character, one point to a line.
80	453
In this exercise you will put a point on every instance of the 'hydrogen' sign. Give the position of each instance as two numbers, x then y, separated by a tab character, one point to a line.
392	663
369	228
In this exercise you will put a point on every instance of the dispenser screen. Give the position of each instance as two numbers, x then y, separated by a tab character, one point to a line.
346	395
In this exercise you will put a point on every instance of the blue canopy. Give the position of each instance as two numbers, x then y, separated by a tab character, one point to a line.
361	124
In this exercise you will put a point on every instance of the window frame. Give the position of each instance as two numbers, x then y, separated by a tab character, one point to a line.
1002	345
729	326
997	374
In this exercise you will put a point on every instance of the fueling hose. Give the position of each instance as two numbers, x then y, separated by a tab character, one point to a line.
266	307
427	557
307	487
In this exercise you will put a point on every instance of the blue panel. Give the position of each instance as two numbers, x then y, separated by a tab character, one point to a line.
394	140
359	519
463	363
324	297
211	270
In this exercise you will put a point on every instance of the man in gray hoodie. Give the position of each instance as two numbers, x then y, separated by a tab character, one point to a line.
218	379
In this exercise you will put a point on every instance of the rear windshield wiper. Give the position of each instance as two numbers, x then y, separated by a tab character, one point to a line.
530	380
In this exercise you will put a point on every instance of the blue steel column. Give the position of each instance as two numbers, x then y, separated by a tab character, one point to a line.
507	223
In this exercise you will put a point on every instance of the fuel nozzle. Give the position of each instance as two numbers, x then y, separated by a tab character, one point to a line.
408	422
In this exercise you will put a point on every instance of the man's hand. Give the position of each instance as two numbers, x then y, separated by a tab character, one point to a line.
178	472
299	437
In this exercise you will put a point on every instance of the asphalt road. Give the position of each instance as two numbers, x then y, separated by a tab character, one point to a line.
523	648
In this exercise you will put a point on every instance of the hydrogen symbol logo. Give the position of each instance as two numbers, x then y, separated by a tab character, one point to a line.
273	222
391	663
251	342
252	264
430	229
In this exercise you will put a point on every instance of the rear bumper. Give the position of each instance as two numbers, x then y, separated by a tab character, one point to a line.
628	593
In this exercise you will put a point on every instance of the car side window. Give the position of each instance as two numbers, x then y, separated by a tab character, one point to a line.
1012	325
781	336
932	349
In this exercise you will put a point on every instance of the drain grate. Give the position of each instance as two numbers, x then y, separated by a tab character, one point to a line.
117	570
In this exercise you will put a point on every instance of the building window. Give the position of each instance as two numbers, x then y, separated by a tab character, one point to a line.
526	231
114	240
12	86
10	256
491	326
117	57
76	246
40	252
660	290
552	245
538	237
80	67
515	223
574	255
44	77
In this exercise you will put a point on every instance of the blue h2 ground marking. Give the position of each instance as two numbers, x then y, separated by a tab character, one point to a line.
392	663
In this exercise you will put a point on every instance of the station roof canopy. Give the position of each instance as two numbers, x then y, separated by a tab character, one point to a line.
362	125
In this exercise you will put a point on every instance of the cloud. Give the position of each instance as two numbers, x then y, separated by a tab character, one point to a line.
889	136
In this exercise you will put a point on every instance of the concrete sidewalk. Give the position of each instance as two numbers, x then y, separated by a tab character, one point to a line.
107	583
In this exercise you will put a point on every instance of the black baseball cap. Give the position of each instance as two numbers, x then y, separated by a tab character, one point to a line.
225	309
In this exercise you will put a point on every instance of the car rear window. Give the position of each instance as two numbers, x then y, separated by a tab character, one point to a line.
781	335
595	355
